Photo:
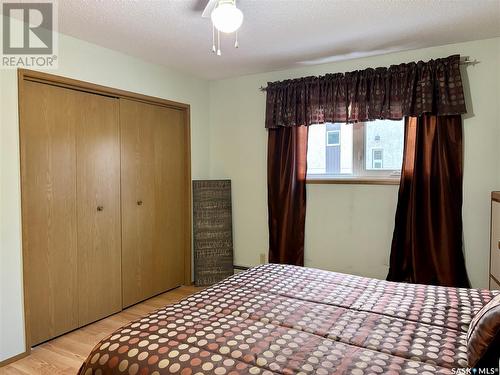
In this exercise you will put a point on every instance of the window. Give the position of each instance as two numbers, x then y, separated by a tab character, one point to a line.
364	152
333	138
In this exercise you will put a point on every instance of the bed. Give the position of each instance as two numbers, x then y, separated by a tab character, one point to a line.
278	319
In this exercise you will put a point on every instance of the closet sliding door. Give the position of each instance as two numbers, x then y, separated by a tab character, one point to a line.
153	175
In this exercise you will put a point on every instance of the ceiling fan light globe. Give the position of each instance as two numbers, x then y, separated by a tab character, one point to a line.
227	18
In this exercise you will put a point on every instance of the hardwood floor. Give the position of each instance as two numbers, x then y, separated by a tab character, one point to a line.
65	354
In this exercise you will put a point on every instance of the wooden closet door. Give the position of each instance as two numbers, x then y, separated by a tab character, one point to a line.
49	214
98	196
137	201
171	195
153	199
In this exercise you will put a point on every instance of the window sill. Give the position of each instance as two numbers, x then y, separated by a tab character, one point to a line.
355	181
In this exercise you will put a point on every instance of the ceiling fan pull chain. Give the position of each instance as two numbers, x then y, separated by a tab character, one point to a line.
226	18
213	38
218	43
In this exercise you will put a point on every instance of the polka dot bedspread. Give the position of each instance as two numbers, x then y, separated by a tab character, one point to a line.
277	319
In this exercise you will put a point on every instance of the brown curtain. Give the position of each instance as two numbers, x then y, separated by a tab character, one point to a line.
286	186
427	243
428	235
392	93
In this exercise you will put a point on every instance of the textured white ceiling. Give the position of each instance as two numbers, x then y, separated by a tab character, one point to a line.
276	34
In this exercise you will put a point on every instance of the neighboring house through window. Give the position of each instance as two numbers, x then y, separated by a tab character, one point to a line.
333	148
377	158
361	151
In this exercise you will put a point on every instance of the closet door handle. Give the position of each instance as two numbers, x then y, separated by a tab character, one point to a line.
139	203
100	208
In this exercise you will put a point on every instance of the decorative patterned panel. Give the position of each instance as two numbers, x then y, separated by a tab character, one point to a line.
212	231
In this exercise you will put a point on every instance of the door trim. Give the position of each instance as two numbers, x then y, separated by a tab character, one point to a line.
25	75
51	79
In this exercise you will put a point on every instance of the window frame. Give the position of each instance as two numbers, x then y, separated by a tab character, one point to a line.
360	174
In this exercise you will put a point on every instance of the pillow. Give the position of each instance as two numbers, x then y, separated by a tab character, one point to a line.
483	336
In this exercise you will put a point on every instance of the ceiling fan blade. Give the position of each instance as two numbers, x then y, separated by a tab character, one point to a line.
208	9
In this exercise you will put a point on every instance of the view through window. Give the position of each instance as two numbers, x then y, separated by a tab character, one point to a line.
367	150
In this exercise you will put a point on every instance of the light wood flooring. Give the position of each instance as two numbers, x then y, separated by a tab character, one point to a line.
65	354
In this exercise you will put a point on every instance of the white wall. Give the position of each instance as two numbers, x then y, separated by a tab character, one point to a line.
349	227
87	62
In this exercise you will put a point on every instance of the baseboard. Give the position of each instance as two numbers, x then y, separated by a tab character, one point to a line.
10	360
236	267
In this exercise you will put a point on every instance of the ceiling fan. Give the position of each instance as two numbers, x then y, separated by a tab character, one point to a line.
226	18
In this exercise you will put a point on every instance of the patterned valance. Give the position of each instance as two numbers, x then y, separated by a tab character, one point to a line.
382	93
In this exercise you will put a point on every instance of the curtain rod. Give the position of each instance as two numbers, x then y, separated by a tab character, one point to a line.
464	60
